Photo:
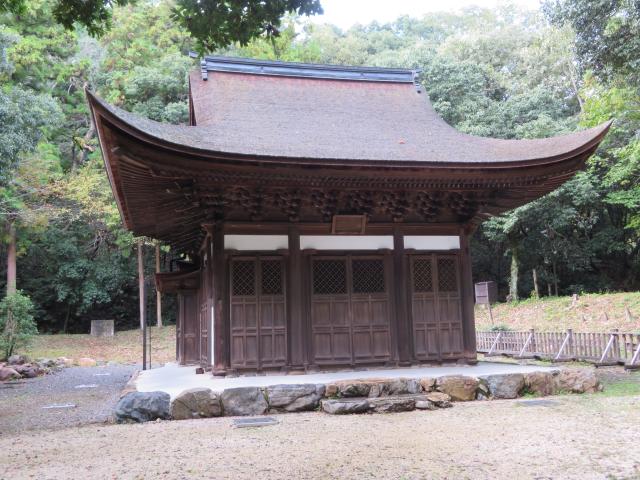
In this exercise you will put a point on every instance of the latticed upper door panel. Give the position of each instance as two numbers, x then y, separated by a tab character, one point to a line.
422	275
271	280
447	274
329	277
368	275
243	278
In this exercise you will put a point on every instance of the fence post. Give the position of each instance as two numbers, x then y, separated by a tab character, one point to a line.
526	344
612	338
636	355
564	343
495	343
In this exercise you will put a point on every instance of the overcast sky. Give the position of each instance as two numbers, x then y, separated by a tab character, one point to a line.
345	13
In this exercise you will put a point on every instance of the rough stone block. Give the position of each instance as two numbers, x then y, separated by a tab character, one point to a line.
143	407
390	404
458	387
540	383
196	403
439	399
428	384
294	398
508	385
577	380
344	407
244	401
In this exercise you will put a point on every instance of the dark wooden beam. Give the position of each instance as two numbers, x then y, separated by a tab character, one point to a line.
220	332
296	334
402	320
466	282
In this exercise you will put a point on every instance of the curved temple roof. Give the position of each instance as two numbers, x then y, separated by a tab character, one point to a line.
288	113
322	126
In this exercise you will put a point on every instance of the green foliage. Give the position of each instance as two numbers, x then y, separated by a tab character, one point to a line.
505	73
17	325
219	23
94	15
607	33
500	327
23	118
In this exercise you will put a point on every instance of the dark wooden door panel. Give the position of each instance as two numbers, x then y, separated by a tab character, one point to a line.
258	313
436	306
190	327
350	310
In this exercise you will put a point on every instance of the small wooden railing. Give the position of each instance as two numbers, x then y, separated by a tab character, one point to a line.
614	348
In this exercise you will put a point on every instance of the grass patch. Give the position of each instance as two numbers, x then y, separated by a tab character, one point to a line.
621	386
559	313
124	347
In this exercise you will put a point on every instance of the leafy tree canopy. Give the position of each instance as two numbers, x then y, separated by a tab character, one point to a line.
213	23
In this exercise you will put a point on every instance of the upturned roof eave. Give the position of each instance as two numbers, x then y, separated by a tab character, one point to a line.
98	105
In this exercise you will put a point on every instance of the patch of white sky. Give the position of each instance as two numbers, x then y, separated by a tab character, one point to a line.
346	13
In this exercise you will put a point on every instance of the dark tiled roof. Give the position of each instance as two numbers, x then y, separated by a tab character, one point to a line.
301	116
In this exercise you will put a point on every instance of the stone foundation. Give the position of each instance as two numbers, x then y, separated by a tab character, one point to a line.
378	395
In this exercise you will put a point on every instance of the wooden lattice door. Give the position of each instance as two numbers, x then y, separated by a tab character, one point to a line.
436	305
257	312
350	310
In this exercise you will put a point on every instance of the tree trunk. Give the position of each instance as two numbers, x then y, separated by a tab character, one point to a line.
66	319
555	279
535	283
141	283
513	281
11	259
158	294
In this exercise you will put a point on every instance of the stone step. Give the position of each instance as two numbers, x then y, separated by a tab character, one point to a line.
389	404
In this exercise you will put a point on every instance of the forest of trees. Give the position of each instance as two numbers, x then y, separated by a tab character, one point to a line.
506	73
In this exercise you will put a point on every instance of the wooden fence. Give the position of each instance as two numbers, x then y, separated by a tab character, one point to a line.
613	348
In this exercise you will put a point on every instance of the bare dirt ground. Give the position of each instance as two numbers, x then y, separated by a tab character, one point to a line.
576	437
94	391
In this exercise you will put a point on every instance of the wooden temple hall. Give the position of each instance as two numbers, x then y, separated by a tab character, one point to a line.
324	213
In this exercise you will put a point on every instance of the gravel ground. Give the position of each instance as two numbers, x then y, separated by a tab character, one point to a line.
21	402
575	437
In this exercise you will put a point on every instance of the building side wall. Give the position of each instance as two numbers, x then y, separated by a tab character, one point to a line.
298	327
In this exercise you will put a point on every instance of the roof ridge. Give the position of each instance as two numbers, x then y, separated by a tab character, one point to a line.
307	70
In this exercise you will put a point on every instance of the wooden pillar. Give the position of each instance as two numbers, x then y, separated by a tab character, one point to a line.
141	283
11	259
220	334
403	324
158	294
296	335
468	319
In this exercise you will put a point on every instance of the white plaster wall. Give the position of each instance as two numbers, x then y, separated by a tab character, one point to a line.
345	242
432	242
256	242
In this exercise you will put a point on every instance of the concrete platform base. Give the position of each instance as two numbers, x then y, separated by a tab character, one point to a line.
174	379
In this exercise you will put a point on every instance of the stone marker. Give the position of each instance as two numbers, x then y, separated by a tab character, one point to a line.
253	422
102	328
